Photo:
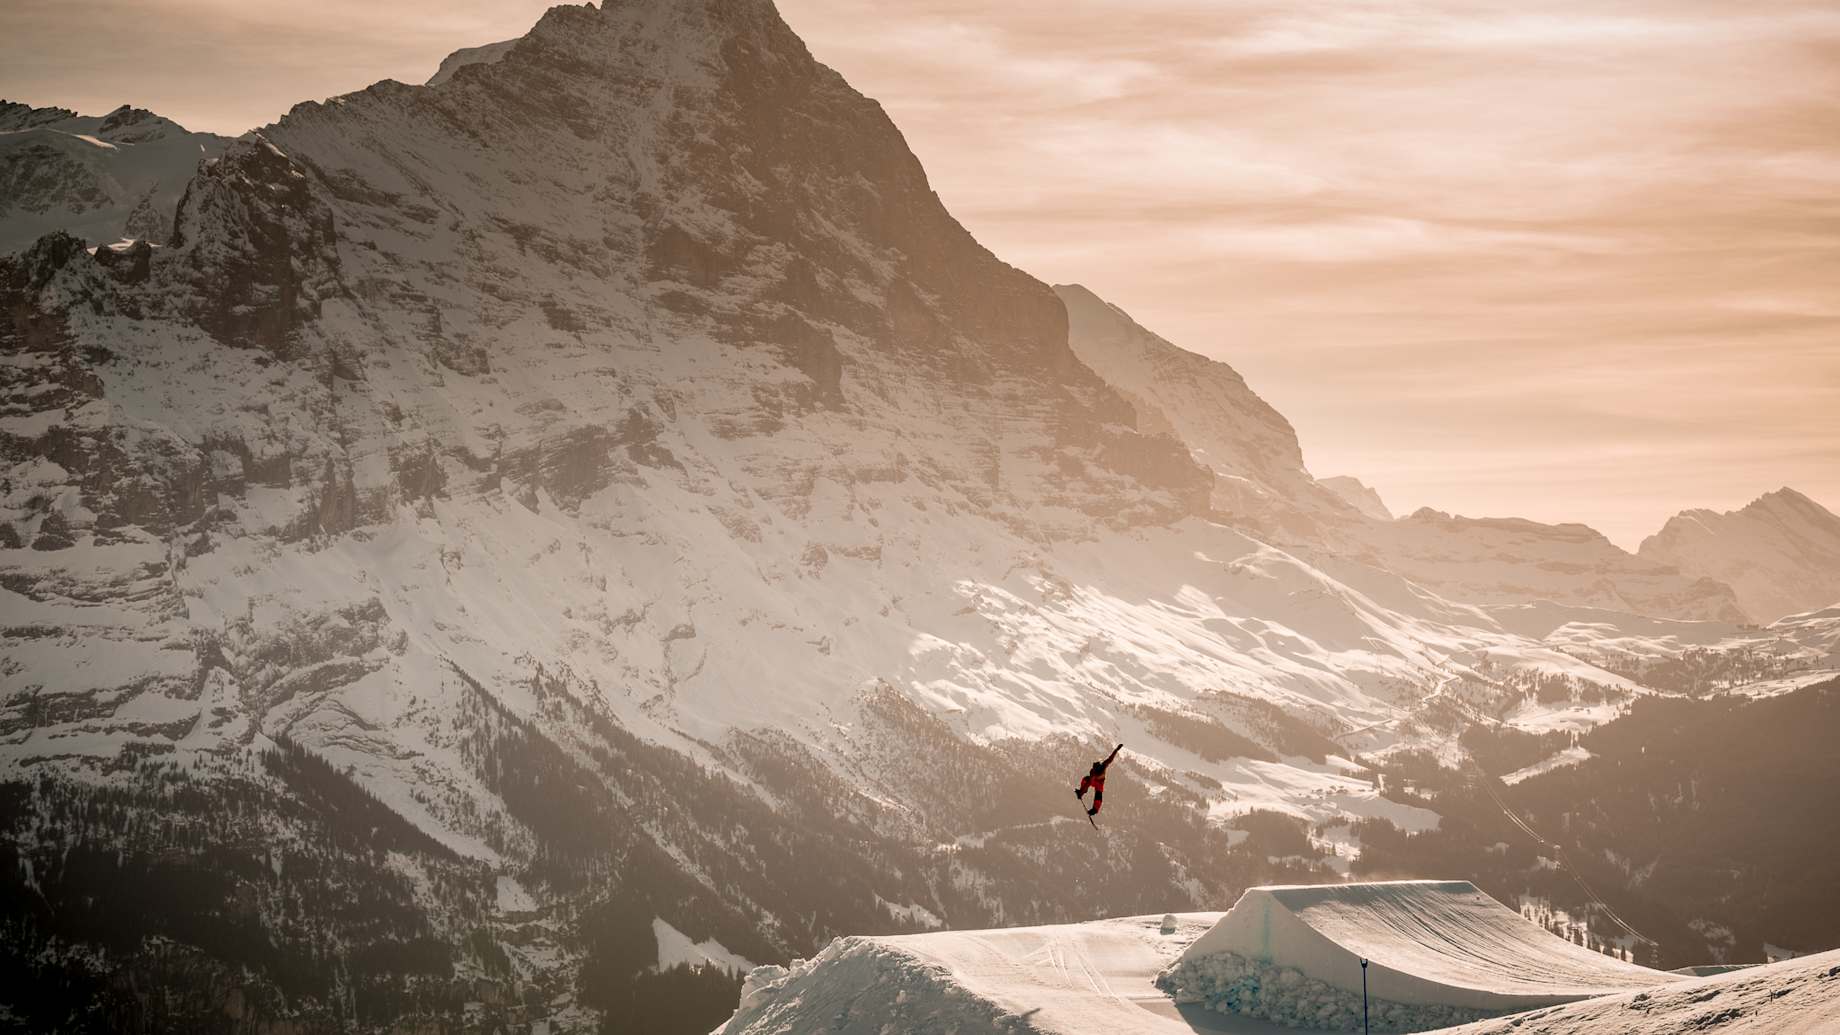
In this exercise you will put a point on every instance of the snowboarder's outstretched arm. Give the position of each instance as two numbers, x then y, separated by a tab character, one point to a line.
1114	754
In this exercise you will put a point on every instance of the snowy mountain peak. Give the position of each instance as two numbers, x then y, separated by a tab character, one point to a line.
1358	495
15	116
1780	552
1786	498
1261	483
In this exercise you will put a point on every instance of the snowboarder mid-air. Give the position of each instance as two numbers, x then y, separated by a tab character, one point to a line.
1096	780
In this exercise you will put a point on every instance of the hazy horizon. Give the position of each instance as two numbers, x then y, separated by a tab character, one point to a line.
1544	262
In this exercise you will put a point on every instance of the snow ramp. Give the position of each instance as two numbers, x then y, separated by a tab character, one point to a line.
1436	950
1094	978
1795	997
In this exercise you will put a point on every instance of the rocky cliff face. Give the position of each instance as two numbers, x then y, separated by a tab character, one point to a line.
1781	552
1260	482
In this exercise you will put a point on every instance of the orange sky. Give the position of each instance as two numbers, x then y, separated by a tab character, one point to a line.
1565	260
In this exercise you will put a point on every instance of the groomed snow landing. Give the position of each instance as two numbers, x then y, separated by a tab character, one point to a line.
1439	952
1794	997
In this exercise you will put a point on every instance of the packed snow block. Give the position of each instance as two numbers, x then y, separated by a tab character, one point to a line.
859	986
1231	983
1434	949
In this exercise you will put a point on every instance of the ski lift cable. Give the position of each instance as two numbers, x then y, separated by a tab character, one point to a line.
1564	858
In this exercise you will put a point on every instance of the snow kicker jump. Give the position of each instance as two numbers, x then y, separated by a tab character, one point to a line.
1438	952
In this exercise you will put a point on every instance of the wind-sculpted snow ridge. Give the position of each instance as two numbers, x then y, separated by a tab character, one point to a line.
1438	952
1794	997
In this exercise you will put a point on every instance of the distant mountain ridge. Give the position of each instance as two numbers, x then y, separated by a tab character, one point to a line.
1514	560
1780	552
101	177
1262	485
1358	495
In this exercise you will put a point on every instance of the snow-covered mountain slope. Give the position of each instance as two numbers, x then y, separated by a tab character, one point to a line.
103	178
680	381
1814	631
1780	553
1794	997
1358	495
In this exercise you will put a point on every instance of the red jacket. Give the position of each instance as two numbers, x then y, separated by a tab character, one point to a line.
1097	780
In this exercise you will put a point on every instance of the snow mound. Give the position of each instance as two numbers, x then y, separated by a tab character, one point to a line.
859	986
1794	997
1439	952
1074	979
